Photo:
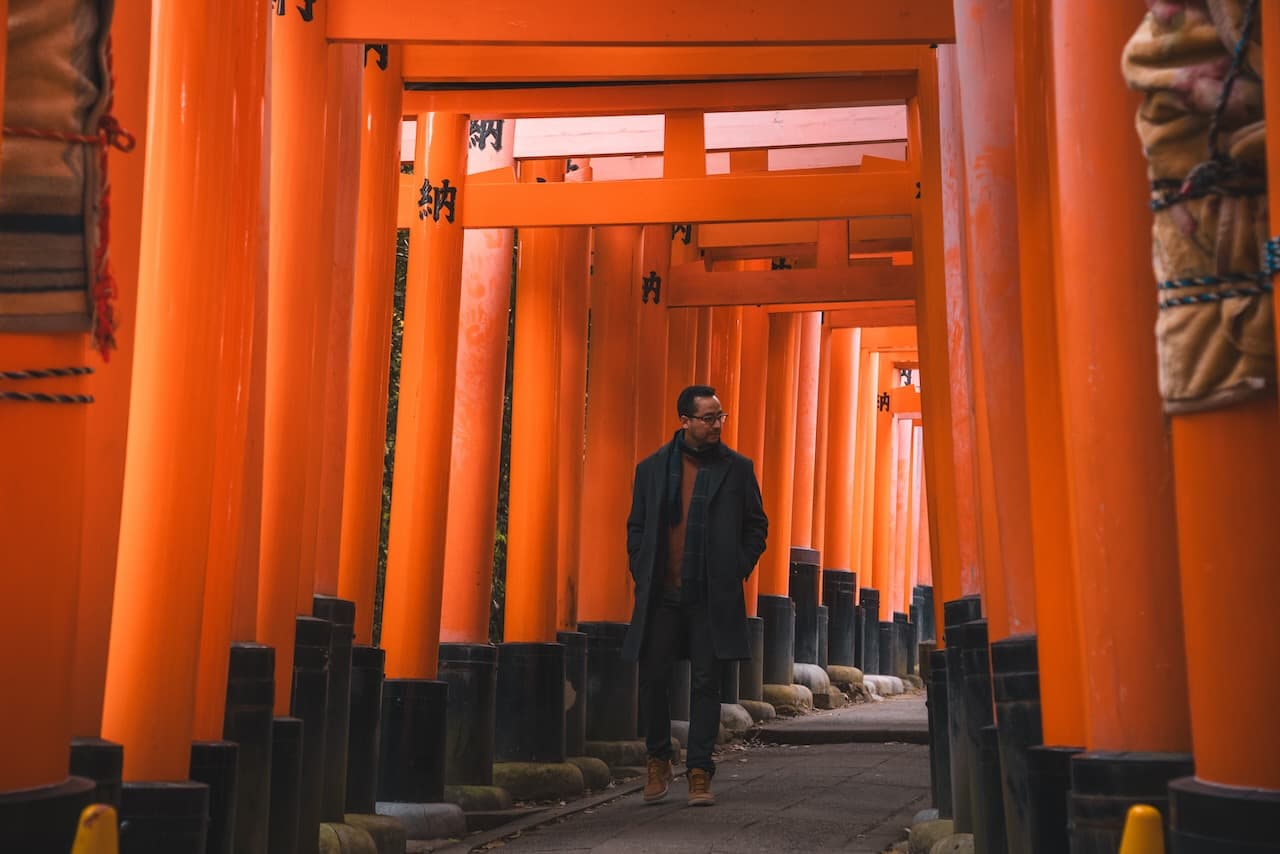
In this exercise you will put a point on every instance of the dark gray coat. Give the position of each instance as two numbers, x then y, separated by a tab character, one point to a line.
736	529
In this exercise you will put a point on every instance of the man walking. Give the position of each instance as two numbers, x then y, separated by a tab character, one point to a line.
696	529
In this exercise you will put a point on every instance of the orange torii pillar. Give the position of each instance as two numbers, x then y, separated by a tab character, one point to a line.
703	325
170	467
605	589
574	315
752	400
821	440
839	581
238	768
531	664
867	655
1039	719
805	572
108	418
1228	459
468	662
726	362
1120	482
775	605
654	412
371	314
411	764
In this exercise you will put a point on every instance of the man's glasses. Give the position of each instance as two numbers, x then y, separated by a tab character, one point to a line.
710	420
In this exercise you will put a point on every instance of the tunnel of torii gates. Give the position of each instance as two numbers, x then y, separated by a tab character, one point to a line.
910	248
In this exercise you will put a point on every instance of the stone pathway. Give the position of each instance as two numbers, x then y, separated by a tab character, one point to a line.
856	797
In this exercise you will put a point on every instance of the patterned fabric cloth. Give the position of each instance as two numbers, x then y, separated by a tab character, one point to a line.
1202	130
693	564
50	189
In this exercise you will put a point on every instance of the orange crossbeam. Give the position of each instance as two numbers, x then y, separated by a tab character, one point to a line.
709	22
446	63
556	101
743	198
869	315
692	285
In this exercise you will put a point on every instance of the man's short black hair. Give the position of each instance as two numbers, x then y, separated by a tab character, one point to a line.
684	403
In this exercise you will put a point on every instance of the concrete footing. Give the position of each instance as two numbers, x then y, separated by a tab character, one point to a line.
844	677
345	839
735	718
926	834
811	676
427	821
478	798
388	835
595	773
539	781
788	700
956	843
759	710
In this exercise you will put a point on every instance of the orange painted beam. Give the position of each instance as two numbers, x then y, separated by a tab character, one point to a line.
1057	621
692	285
873	314
1120	479
371	341
470	64
484	309
718	198
712	22
554	101
711	199
169	469
424	432
108	418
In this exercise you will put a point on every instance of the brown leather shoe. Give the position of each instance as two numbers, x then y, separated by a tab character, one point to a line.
700	788
659	780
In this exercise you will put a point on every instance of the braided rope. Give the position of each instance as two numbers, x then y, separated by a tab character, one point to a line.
37	397
1261	279
46	373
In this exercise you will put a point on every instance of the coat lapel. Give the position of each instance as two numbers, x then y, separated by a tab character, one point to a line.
719	471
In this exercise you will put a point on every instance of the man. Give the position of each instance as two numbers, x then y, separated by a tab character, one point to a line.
696	529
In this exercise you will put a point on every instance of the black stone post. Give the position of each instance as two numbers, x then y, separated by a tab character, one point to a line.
470	669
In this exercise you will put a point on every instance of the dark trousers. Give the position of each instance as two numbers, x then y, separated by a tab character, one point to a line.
675	631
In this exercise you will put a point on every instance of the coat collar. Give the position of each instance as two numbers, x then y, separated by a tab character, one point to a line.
719	465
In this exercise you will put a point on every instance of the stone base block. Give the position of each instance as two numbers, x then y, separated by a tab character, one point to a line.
788	700
812	677
723	736
926	834
956	843
595	773
345	839
885	686
844	677
539	781
832	698
388	835
930	814
735	718
613	753
913	682
427	821
680	732
478	798
759	711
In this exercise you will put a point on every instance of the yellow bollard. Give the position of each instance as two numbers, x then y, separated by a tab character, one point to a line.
1143	831
96	833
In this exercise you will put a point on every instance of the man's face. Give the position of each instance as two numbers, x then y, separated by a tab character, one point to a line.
703	427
